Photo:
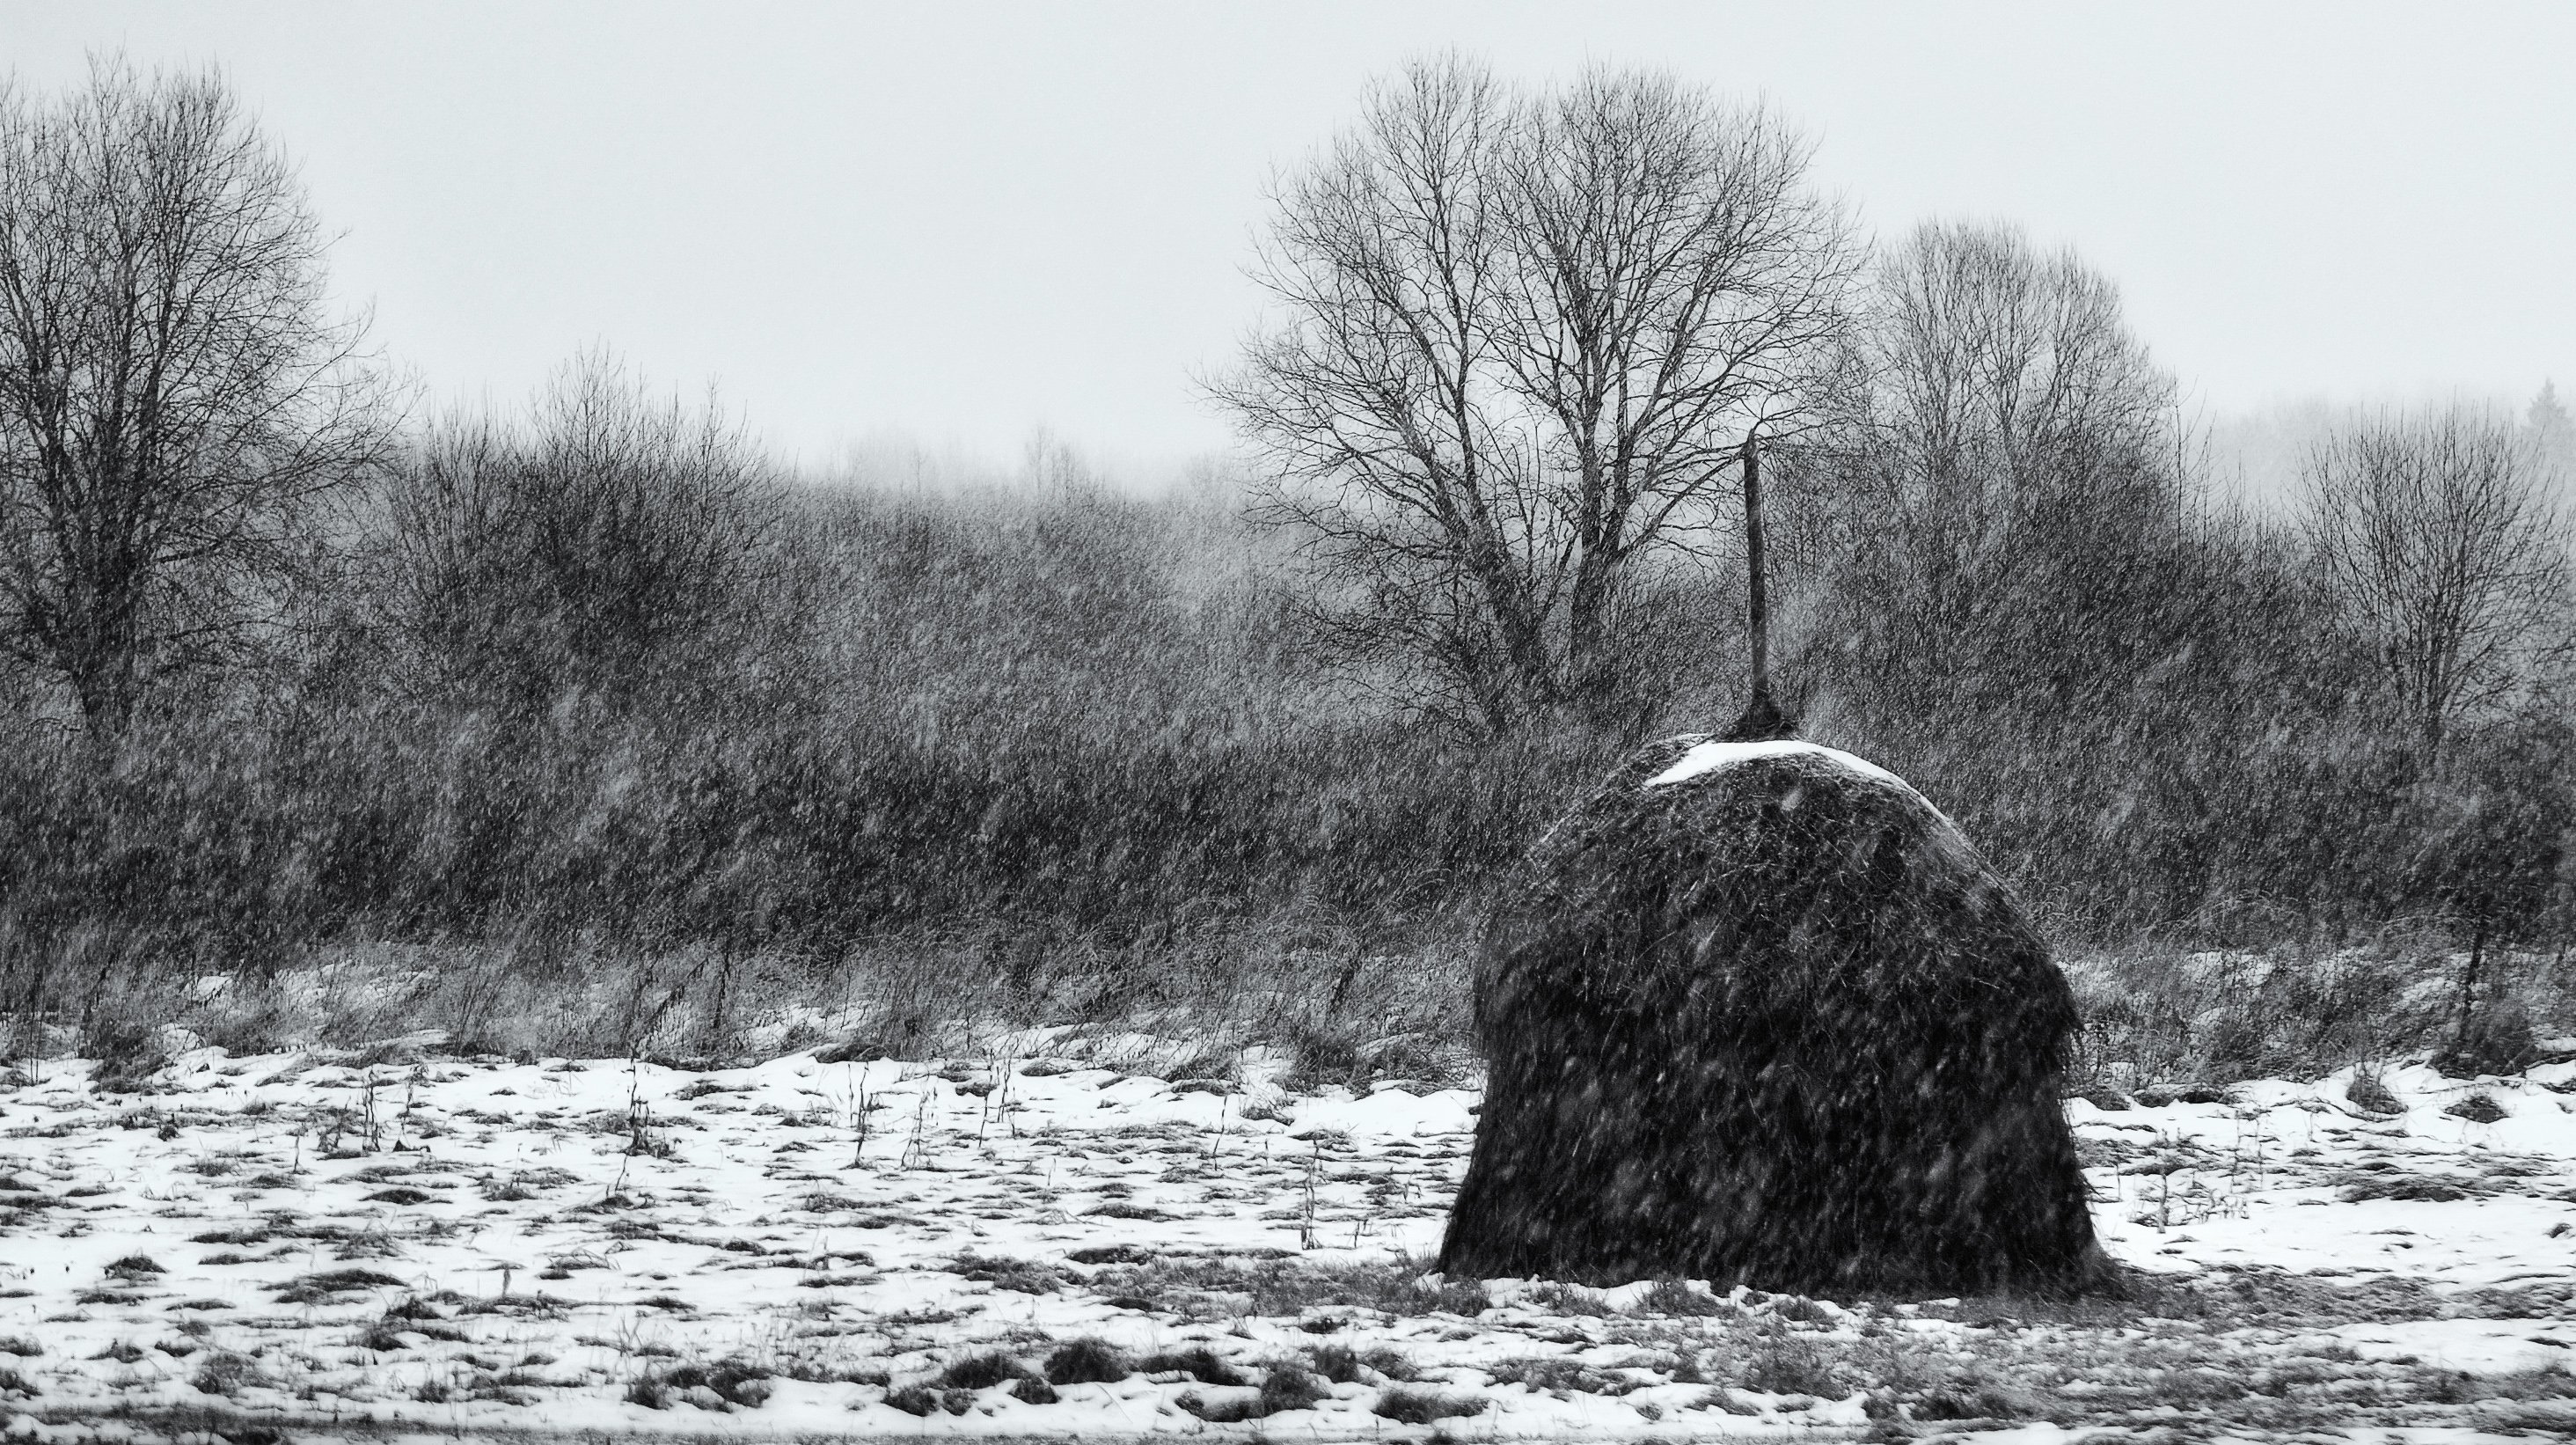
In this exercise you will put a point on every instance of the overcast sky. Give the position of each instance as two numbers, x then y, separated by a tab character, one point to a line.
960	222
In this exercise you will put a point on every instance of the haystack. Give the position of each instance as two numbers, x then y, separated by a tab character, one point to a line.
1756	1012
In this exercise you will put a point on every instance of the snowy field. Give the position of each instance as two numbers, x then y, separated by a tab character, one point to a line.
316	1246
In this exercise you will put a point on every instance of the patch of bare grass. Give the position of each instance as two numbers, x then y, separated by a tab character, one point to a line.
1217	1287
1407	1405
323	1286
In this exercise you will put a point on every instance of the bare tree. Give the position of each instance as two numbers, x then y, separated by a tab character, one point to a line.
606	542
2441	543
1518	343
176	398
2003	411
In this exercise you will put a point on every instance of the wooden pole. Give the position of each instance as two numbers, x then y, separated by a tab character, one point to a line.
1759	611
1762	719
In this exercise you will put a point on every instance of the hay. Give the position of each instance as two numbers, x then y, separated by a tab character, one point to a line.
1758	1013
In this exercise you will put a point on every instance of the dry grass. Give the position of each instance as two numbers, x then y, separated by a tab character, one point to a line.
2159	1015
1339	1018
1232	1286
2154	1016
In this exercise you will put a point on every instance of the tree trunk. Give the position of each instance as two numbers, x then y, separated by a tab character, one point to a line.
2469	990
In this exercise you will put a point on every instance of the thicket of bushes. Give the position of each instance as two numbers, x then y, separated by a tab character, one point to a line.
1058	755
592	716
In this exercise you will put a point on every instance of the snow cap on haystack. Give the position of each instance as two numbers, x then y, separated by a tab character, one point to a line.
1757	1013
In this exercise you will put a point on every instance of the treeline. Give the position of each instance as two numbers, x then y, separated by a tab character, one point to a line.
592	678
2163	707
596	680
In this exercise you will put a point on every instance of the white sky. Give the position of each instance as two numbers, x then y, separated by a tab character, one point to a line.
960	222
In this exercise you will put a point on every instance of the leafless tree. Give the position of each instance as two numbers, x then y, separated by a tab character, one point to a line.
607	540
176	397
2442	544
2003	411
1518	342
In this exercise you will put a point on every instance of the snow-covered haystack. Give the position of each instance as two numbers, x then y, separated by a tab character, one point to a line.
1757	1013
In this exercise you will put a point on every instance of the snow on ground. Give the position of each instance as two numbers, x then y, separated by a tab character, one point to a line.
321	1246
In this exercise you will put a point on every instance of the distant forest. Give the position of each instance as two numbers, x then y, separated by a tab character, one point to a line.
293	666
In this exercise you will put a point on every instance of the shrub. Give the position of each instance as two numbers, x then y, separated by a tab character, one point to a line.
1337	1363
1287	1387
1542	1373
1288	1285
2479	1108
1020	1276
1792	1366
1464	1297
730	1382
318	1288
2370	1094
982	1372
1564	1299
1087	1362
1407	1406
914	1399
1676	1297
127	1046
1111	1254
1320	1053
1391	1362
1800	1308
2496	1039
1218	1412
1198	1362
1964	1401
225	1373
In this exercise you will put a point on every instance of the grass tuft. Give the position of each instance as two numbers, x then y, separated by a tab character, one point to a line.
319	1288
982	1371
1198	1362
1406	1405
1087	1362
